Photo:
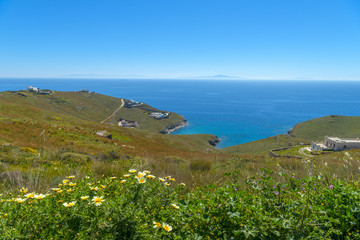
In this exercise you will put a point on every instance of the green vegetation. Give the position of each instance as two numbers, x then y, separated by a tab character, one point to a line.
44	138
140	205
263	146
334	125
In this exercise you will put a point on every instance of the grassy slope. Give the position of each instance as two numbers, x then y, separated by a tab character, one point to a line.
334	125
92	107
264	145
70	120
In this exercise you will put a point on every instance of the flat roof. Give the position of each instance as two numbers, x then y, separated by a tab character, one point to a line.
344	140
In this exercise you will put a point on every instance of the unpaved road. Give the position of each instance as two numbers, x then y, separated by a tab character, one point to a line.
118	109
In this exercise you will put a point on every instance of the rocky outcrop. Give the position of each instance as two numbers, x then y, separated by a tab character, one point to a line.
104	134
170	128
214	141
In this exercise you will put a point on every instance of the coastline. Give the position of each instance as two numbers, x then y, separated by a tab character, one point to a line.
174	127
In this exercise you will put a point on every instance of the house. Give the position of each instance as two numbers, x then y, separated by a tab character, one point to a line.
130	124
32	89
336	144
131	103
159	115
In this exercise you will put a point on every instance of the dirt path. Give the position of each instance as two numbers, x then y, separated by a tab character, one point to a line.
118	109
302	151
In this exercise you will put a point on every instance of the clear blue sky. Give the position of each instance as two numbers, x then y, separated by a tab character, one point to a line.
255	39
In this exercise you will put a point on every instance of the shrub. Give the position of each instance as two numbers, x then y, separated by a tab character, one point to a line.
74	158
200	165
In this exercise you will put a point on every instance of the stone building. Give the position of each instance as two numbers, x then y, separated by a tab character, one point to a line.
335	144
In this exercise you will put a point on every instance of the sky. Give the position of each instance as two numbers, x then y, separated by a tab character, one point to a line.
245	39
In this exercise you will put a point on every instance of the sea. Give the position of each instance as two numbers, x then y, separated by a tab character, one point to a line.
237	111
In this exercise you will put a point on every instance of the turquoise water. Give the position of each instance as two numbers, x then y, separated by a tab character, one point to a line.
236	111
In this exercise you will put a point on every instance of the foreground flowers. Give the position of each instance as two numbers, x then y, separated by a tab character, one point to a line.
70	204
97	201
167	227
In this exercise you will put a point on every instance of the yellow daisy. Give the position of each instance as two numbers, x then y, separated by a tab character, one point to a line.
72	184
65	181
30	195
84	197
71	177
113	178
20	200
175	206
147	172
161	179
140	174
182	184
167	227
157	224
70	204
150	176
23	190
141	180
127	175
132	171
123	181
40	196
97	200
167	184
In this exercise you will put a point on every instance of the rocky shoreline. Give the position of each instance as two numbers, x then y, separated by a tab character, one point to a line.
174	127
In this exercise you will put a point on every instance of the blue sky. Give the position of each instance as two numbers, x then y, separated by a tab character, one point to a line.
251	39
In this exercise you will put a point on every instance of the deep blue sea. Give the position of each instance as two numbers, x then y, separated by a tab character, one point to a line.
236	111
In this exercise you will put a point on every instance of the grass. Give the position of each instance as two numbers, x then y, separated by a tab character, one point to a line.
263	146
140	205
334	125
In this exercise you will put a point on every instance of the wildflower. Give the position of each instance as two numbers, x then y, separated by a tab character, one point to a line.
183	184
87	177
94	188
71	177
97	200
30	195
60	201
140	174
23	190
84	197
150	176
172	179
60	191
161	179
147	172
157	224
168	177
70	190
276	192
6	215
132	171
141	180
123	181
60	185
70	204
175	206
127	175
72	184
113	178
102	186
40	196
20	200
331	186
167	227
167	184
65	181
56	189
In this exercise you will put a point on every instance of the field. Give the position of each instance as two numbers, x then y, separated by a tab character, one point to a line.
65	182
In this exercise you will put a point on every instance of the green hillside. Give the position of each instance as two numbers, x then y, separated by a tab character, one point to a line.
92	107
333	125
263	146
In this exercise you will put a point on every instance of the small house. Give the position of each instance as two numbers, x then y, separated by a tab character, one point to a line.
336	144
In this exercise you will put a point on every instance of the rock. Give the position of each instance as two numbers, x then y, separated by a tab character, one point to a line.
214	141
104	134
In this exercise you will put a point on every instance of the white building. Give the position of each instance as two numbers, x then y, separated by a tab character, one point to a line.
336	144
34	89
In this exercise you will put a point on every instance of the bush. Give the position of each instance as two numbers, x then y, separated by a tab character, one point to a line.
200	165
74	158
